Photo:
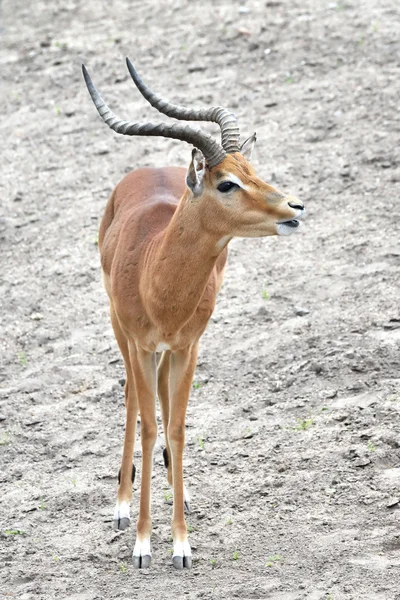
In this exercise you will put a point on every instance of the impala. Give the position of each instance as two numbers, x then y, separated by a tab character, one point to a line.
163	243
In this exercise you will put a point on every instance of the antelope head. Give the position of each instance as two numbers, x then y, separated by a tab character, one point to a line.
234	200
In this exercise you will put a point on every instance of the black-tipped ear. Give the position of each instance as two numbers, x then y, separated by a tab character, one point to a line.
196	171
247	147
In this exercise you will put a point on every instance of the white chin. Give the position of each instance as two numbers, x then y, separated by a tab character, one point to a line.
285	229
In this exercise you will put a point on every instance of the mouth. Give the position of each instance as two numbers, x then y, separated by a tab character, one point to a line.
293	223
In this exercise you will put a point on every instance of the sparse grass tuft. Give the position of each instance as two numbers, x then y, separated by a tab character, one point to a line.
5	438
123	568
265	294
303	424
271	560
22	358
168	496
201	442
235	555
197	385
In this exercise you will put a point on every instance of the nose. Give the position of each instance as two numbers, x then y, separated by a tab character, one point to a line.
296	205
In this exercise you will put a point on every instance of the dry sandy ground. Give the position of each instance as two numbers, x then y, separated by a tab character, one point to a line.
293	453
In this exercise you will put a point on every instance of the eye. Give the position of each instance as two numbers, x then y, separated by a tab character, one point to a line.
226	186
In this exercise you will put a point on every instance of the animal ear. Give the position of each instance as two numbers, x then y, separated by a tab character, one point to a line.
247	147
196	171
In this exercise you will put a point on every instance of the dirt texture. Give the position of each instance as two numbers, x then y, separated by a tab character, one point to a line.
293	431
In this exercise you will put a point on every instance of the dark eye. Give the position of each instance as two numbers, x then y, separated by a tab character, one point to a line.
226	186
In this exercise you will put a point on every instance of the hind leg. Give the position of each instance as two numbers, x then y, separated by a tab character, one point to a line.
126	473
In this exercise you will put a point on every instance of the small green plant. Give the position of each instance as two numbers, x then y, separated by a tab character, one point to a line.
22	358
201	442
197	385
235	555
265	294
271	560
229	521
168	495
74	480
58	110
56	558
303	424
289	79
190	528
42	505
213	562
5	438
96	239
171	550
123	568
14	532
371	446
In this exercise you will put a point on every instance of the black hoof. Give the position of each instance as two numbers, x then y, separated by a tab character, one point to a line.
141	562
121	524
177	561
181	562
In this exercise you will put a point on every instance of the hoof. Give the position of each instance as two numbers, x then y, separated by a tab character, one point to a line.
121	516
141	562
182	557
182	562
121	524
186	506
177	561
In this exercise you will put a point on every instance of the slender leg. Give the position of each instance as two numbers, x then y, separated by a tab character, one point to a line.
163	396
144	370
183	364
127	471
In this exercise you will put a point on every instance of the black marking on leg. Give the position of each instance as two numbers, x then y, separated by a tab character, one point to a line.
133	475
166	458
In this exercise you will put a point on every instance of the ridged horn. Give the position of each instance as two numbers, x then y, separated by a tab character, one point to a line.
213	152
217	114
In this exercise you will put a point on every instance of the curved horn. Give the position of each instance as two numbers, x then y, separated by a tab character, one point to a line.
212	151
217	114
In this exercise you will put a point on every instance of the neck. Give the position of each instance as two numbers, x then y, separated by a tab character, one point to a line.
182	262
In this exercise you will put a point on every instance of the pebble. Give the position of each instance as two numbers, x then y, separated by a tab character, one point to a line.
301	311
329	394
340	417
392	502
362	462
